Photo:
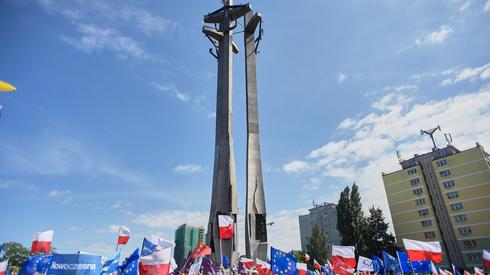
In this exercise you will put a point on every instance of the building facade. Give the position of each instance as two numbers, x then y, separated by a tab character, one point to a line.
444	195
186	239
324	215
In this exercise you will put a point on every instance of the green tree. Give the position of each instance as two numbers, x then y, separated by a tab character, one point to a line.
377	236
344	217
358	224
16	253
317	245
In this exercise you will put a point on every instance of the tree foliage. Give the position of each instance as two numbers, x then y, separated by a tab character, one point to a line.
378	238
358	222
16	253
317	245
344	217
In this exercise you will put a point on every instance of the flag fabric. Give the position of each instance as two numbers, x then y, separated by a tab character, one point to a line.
41	242
263	268
156	263
455	270
123	237
365	264
478	271
378	265
486	259
343	259
173	265
38	263
201	250
6	87
421	266
3	267
225	224
442	271
301	268
130	266
329	265
466	272
245	266
195	268
328	268
316	265
112	264
309	272
419	251
225	261
148	247
433	269
391	263
282	262
307	257
208	267
404	262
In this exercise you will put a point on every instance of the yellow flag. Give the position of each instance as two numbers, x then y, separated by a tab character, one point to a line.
6	87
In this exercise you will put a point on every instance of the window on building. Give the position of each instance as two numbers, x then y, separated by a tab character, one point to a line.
445	173
460	218
441	162
448	183
426	223
412	171
420	201
456	206
430	235
418	191
469	243
414	181
423	212
464	230
442	153
475	256
452	195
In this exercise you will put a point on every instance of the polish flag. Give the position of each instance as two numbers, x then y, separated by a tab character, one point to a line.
247	263
420	251
123	235
329	265
486	259
316	265
157	263
302	267
42	242
307	257
225	224
478	271
343	259
263	268
3	267
433	269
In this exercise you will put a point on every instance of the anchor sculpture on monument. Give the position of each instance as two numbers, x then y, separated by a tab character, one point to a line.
224	191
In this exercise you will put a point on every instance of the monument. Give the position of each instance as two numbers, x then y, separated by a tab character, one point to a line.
224	192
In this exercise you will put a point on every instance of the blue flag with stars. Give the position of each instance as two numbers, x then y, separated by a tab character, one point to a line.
282	262
39	263
148	247
391	263
111	265
405	264
378	265
130	266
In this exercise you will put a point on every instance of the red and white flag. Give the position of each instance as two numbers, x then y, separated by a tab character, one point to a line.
302	267
42	242
3	267
247	263
316	265
263	268
329	265
433	269
478	271
420	251
442	271
123	235
486	259
225	224
157	263
161	242
307	257
343	259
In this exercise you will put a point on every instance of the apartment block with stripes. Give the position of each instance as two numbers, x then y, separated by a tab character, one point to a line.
444	195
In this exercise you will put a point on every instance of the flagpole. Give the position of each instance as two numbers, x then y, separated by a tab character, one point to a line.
220	253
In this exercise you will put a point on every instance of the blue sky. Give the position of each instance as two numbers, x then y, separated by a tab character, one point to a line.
113	119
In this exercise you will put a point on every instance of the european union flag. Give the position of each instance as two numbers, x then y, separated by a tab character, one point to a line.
130	266
282	262
148	247
421	266
390	263
226	262
405	264
39	263
111	265
378	265
309	272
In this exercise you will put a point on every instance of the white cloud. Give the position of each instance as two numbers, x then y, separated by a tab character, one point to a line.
111	229
170	89
95	38
64	195
188	168
487	6
465	5
295	166
74	229
171	218
435	37
342	77
468	74
284	233
392	125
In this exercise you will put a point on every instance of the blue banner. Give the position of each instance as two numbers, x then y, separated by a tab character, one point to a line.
75	264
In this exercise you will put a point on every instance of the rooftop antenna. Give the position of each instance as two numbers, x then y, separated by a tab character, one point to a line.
399	156
449	138
430	132
314	204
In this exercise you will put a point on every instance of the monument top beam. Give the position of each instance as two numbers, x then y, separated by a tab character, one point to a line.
229	12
